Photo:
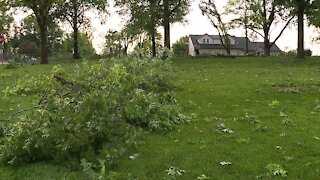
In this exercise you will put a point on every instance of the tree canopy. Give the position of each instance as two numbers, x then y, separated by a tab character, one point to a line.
210	10
75	15
144	17
46	12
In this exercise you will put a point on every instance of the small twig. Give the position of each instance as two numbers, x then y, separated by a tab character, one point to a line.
64	81
19	112
25	110
44	96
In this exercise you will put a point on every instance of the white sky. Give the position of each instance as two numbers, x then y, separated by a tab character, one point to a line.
199	24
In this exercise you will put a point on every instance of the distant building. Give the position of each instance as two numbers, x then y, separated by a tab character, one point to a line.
211	45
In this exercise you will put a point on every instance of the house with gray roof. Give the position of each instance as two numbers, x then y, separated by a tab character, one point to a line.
211	45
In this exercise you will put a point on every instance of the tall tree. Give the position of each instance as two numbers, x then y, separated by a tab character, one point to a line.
152	25
28	34
75	14
172	11
300	5
128	37
300	8
150	14
240	9
113	43
144	14
85	42
264	15
210	9
45	11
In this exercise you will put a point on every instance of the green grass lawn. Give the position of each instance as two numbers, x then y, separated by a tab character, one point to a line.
251	112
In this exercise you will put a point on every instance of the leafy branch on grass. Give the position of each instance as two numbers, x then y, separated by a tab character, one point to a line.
94	107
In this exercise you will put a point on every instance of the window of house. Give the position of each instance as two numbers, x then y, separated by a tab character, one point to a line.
208	41
204	41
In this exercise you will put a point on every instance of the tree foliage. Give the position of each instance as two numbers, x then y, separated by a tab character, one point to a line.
26	39
242	13
6	21
75	15
97	106
148	15
45	11
112	43
144	15
180	48
300	8
85	45
266	14
5	17
314	14
172	11
210	10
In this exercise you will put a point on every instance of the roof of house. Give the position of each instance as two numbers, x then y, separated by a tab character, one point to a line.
240	43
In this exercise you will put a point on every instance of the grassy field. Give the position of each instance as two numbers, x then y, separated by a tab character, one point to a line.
251	117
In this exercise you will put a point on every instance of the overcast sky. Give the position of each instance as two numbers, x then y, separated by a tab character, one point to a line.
199	24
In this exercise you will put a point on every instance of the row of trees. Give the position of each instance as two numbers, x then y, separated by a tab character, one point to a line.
258	17
46	15
145	16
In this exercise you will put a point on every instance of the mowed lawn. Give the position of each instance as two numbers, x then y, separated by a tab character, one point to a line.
246	112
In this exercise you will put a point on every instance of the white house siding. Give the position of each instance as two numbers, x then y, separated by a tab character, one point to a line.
275	53
221	52
192	51
211	51
260	51
232	41
237	52
204	40
216	41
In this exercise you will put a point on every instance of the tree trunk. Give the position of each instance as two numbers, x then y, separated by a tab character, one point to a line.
246	27
247	41
119	49
76	54
228	46
166	24
154	44
125	49
267	47
229	52
43	45
167	35
4	47
153	27
4	52
300	50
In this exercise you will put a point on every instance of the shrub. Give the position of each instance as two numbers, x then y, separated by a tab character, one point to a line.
95	106
181	48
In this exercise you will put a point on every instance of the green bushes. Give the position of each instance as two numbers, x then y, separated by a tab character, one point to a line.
95	106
